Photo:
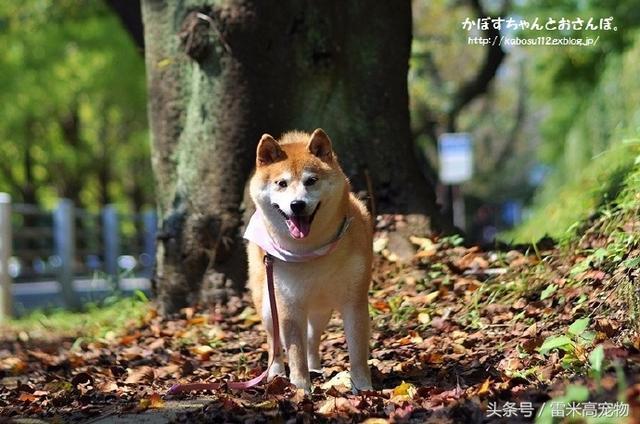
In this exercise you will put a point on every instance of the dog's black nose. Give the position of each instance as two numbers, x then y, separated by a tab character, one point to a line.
297	206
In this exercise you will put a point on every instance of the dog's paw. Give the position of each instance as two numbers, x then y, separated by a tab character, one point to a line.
276	370
303	384
360	383
318	370
355	390
315	365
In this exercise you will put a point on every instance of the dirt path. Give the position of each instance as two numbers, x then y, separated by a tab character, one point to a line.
459	335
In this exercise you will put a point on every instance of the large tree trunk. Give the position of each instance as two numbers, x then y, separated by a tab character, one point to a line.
219	79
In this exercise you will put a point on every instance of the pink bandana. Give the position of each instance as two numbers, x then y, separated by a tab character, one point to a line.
257	232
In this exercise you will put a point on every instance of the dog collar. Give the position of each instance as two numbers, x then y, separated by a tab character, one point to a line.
257	233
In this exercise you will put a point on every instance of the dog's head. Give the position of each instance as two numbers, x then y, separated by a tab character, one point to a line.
297	179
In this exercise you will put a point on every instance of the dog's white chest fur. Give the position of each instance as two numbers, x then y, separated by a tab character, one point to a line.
318	284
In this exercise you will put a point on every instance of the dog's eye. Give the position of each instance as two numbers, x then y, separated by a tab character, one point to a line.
310	181
282	183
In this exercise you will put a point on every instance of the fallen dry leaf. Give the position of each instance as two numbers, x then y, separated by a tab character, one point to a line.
449	334
141	374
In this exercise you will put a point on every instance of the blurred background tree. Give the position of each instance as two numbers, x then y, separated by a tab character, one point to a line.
72	96
456	86
547	112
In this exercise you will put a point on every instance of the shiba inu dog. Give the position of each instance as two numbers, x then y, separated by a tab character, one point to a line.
320	236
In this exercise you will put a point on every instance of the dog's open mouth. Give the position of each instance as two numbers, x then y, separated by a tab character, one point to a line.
299	225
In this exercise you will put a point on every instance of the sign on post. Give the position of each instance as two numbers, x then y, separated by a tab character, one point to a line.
150	219
5	254
455	154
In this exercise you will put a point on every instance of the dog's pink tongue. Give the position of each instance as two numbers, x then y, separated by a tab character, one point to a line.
299	226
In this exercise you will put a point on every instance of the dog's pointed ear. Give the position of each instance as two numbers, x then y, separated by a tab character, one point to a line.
320	145
269	151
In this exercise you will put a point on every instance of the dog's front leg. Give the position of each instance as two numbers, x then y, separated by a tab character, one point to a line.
275	357
317	322
356	328
294	326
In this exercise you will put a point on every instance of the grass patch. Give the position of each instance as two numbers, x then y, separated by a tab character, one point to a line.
113	316
563	206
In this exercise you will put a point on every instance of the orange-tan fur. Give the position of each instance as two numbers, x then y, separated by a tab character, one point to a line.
307	292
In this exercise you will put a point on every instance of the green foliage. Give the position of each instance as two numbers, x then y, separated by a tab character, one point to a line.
442	61
596	361
588	98
580	66
548	291
573	343
600	150
561	82
104	320
453	240
73	99
578	326
562	206
556	342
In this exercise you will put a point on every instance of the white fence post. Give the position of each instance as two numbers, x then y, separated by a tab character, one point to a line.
6	295
111	240
150	219
64	236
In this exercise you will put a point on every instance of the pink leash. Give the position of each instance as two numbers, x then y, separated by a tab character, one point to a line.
242	385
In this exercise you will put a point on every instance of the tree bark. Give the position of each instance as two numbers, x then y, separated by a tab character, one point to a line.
221	73
479	85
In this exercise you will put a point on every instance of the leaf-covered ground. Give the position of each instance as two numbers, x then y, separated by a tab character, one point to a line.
459	336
